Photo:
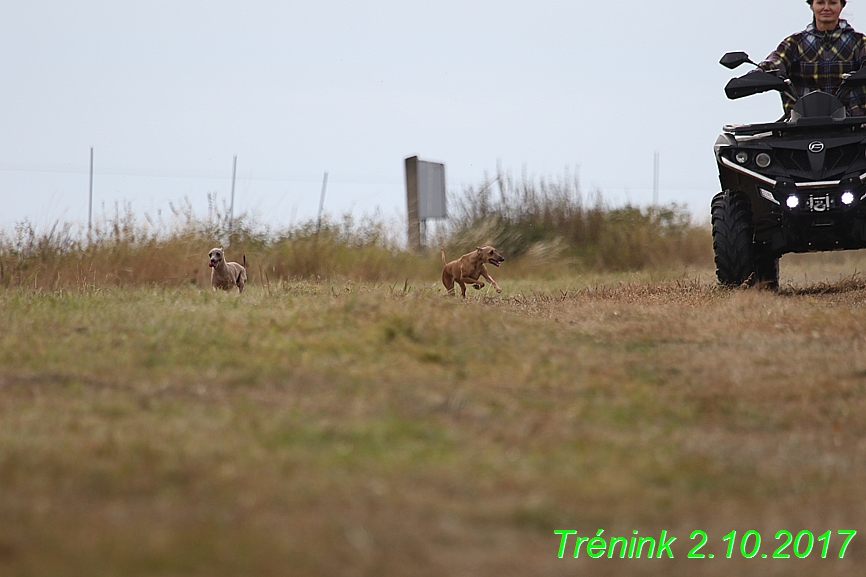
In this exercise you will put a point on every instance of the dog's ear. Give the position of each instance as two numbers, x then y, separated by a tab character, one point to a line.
479	249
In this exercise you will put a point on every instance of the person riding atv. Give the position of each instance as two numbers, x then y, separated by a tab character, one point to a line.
797	184
817	57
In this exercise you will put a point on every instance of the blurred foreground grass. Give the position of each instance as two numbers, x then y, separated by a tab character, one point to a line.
387	430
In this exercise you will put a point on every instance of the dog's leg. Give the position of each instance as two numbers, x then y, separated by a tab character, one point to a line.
476	284
448	281
450	273
462	278
489	278
221	276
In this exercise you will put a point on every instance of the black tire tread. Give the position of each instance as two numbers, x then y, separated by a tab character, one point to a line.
733	239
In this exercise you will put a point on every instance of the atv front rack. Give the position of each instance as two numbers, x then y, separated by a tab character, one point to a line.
801	124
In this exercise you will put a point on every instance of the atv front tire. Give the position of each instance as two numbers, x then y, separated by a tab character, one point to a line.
733	244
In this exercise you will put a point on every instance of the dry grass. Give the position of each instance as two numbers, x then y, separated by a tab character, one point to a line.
545	229
350	428
122	252
552	221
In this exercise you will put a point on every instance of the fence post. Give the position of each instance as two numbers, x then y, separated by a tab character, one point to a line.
412	203
90	195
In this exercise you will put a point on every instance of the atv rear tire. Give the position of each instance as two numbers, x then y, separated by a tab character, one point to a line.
733	243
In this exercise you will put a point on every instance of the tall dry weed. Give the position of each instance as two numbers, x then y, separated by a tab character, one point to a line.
552	221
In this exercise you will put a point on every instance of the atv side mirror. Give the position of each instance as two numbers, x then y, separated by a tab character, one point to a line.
733	59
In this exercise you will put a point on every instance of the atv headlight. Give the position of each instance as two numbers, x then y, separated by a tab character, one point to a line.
742	157
793	201
763	160
847	198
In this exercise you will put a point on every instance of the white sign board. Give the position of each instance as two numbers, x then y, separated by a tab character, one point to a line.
431	190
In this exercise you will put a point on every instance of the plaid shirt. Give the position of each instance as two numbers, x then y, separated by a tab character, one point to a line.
815	60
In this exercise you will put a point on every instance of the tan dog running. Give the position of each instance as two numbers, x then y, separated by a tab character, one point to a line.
466	269
226	275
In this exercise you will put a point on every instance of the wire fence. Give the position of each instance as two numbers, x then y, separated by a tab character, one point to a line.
46	194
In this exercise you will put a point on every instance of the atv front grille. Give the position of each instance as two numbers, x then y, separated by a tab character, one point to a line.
841	156
837	158
793	160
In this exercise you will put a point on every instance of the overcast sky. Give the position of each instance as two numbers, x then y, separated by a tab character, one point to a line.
167	92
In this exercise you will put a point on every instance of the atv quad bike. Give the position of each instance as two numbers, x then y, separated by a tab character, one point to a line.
795	185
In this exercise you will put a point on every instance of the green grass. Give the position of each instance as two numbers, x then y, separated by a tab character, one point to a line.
324	428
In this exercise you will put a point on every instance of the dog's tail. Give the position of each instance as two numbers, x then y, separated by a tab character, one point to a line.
442	250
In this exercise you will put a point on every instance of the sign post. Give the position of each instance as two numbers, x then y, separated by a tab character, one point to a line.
425	197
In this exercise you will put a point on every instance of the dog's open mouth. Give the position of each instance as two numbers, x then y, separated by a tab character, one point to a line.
211	264
493	261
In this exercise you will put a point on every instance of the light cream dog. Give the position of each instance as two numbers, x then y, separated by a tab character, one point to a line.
466	269
226	275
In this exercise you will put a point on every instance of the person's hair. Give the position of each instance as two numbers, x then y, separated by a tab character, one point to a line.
809	2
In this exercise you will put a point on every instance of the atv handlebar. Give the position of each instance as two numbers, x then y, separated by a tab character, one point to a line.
758	81
754	82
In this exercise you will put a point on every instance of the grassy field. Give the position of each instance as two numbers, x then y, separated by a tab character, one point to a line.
383	429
